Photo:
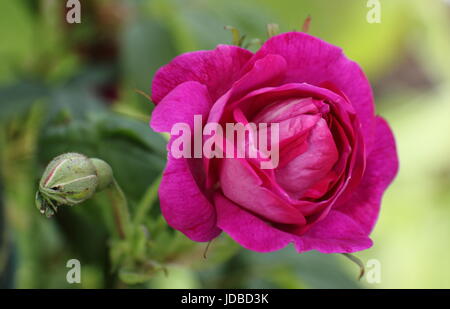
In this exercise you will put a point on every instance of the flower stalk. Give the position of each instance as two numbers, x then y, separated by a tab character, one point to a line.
120	209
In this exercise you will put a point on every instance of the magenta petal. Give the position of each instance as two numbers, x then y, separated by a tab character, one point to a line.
382	166
218	69
248	230
241	185
180	106
312	165
184	205
337	233
265	72
315	61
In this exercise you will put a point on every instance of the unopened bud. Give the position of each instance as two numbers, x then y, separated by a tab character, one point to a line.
71	179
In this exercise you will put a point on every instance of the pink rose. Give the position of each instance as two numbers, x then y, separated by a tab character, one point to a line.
336	157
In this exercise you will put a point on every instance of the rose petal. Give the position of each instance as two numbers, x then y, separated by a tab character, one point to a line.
184	205
258	100
241	185
248	230
336	233
180	106
382	166
265	72
218	69
282	110
309	167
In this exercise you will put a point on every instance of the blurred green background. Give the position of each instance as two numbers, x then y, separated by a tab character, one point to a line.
72	87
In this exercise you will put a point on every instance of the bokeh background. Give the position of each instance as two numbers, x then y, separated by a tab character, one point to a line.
73	88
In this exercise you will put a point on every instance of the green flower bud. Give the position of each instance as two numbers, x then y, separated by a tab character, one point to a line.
104	173
71	179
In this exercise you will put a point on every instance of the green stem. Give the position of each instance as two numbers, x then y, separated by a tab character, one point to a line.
146	203
120	211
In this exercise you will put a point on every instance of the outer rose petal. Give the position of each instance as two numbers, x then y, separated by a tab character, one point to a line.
265	72
337	233
180	105
382	166
314	61
184	205
218	69
248	230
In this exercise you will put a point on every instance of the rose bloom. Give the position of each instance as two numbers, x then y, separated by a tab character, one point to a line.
336	158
